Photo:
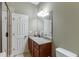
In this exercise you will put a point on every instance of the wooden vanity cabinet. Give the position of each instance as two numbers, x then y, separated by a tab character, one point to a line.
36	50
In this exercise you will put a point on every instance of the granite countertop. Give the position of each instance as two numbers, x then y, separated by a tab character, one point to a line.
40	40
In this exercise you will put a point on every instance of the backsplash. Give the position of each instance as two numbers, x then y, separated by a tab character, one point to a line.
40	34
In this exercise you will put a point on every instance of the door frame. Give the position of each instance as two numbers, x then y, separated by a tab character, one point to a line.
9	30
1	27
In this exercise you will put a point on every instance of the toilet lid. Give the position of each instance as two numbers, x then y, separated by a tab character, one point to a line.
66	52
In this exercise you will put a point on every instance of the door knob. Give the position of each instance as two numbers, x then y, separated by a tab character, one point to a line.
6	34
25	36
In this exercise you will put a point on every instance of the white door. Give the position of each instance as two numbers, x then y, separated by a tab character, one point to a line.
19	33
4	31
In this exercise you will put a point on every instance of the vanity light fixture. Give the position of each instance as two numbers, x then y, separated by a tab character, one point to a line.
43	13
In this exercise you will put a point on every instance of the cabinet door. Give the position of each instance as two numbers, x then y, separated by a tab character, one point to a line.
46	50
35	52
30	43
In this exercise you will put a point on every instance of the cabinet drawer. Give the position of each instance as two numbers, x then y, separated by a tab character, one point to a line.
35	45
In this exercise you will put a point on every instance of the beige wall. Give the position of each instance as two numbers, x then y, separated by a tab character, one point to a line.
66	26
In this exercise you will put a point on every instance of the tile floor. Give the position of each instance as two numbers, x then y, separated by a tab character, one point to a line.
27	54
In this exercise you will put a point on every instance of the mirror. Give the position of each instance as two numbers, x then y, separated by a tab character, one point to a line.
45	26
42	26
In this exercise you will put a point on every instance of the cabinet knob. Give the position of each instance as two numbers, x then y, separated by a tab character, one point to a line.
25	37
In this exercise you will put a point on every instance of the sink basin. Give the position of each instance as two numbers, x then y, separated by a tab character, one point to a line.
40	40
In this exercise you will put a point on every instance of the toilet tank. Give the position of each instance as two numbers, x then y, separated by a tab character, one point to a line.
61	52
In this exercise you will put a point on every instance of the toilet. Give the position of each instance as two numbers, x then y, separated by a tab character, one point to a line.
61	52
